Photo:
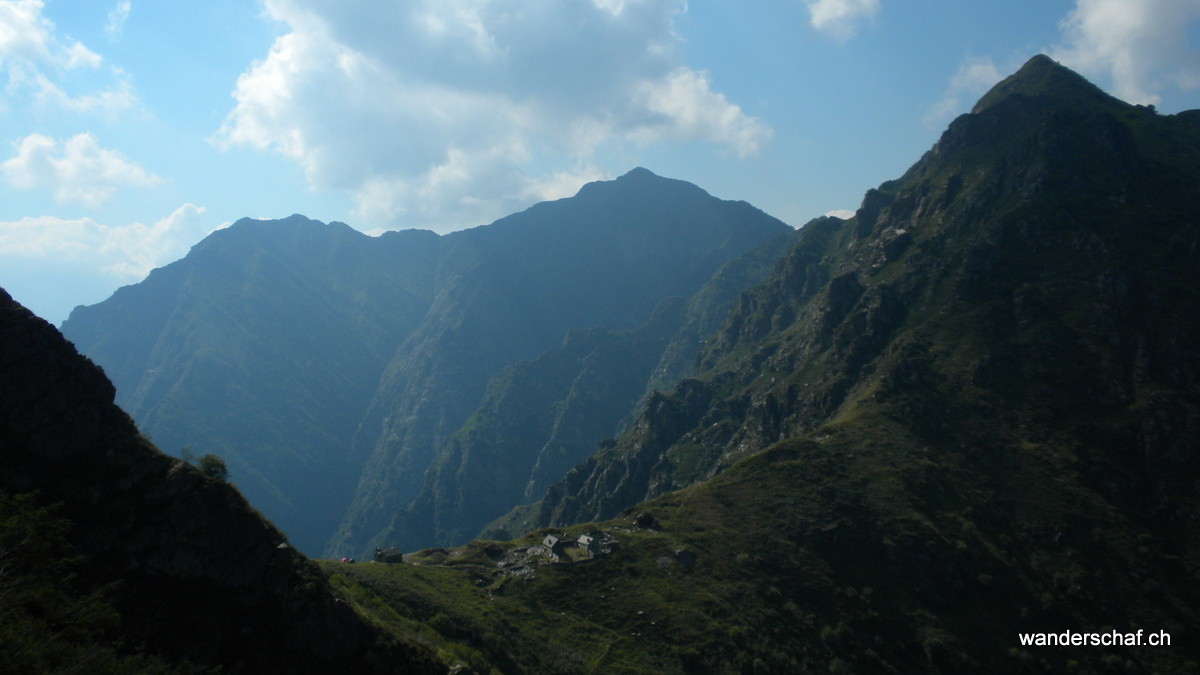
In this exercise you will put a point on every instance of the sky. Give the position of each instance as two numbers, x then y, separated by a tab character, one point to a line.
131	129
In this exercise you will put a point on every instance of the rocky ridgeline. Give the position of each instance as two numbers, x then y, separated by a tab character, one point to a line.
1038	260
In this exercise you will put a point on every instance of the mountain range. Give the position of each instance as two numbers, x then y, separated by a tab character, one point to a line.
891	443
335	372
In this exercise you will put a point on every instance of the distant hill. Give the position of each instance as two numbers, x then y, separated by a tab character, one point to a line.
331	369
117	558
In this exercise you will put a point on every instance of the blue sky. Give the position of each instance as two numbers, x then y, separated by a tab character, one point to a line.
130	129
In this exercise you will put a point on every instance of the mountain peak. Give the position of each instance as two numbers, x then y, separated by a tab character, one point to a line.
636	181
1043	77
294	220
639	173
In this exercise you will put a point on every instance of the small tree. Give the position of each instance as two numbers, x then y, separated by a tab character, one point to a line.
213	467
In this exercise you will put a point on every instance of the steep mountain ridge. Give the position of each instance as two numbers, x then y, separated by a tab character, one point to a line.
1047	230
603	258
193	574
263	346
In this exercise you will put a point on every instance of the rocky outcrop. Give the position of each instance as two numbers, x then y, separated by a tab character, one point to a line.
193	571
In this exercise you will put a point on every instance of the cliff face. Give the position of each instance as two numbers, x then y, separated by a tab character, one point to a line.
192	570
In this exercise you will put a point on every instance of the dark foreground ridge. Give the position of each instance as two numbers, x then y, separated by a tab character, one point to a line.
161	567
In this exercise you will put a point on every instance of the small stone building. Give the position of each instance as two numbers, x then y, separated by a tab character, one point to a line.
390	554
557	546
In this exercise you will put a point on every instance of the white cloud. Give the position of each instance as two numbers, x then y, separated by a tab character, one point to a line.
115	98
436	112
79	56
975	76
564	183
690	109
1142	45
24	34
125	252
78	171
117	16
840	18
35	61
27	36
844	214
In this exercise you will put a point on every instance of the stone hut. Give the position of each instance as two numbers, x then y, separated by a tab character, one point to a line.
390	554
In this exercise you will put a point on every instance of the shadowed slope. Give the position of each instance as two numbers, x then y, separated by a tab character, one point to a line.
198	574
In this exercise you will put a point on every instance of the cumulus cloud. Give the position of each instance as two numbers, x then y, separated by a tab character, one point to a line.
689	108
844	214
78	170
36	62
24	33
973	78
840	18
448	113
1142	45
124	252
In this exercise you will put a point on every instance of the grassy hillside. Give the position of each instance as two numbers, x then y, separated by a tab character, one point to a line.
858	549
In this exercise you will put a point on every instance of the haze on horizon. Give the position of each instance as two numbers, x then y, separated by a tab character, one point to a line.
133	129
